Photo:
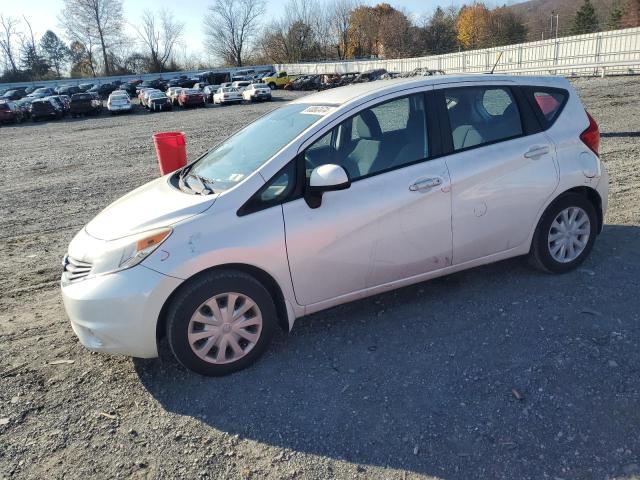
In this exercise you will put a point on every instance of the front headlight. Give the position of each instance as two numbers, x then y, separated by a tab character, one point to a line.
128	251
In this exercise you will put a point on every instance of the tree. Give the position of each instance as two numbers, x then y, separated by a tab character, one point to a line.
585	20
82	62
94	22
159	34
378	31
615	18
505	27
473	26
440	32
54	50
230	25
340	20
9	35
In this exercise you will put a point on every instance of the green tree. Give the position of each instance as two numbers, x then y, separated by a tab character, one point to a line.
505	27
585	20
440	32
33	63
54	51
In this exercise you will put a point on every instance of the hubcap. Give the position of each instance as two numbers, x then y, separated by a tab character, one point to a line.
225	328
569	234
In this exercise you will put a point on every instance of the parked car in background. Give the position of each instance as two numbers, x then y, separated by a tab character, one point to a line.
45	109
306	82
144	99
60	103
190	97
24	104
32	88
14	94
85	86
369	75
172	93
200	85
10	113
240	85
85	104
157	84
158	102
182	81
119	102
226	84
208	92
67	90
226	95
41	93
279	80
257	92
103	90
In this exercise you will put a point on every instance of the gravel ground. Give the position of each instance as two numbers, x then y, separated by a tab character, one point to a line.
497	372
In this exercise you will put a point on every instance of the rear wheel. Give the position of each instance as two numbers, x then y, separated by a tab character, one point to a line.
565	234
220	323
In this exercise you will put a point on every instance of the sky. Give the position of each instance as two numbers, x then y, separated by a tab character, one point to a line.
42	14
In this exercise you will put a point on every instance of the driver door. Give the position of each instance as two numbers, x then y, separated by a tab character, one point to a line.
392	223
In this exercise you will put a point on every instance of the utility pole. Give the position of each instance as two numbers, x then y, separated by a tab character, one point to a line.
554	14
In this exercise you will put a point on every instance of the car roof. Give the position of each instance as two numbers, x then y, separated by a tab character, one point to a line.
346	94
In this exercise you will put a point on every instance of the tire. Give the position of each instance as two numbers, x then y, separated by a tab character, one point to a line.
272	85
541	255
212	289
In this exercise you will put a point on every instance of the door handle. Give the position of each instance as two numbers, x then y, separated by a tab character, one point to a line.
425	184
537	151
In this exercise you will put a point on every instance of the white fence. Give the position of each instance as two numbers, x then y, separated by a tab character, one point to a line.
616	51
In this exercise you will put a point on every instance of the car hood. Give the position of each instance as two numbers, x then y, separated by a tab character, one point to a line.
154	205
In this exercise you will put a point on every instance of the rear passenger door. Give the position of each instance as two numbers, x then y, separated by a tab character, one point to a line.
502	167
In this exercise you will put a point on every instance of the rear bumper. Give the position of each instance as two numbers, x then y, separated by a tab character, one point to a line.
118	313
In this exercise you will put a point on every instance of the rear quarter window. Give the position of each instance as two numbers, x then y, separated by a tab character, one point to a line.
547	103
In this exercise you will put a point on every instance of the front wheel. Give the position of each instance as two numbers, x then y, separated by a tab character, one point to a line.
565	234
220	323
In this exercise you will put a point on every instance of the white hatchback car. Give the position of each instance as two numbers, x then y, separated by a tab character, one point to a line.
334	197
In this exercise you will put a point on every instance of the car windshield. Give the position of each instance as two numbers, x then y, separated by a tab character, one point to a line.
242	153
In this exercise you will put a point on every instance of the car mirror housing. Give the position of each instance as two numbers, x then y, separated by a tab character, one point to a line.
325	178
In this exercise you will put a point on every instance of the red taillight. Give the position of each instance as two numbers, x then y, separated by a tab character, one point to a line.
591	136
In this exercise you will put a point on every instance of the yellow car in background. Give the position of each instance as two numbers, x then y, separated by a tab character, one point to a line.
279	80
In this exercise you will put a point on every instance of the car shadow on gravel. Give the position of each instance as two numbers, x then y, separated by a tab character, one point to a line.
499	371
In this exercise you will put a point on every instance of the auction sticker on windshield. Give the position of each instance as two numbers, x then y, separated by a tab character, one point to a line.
318	110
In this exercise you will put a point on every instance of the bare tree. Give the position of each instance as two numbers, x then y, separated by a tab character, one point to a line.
159	34
340	18
92	22
8	35
230	25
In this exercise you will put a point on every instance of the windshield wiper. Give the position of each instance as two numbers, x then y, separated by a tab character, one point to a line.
185	173
205	190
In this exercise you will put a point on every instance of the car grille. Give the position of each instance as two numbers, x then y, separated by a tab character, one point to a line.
74	269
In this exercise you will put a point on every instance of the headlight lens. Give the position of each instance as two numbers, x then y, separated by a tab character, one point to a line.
128	252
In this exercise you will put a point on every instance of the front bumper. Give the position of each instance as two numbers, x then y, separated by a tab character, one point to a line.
118	313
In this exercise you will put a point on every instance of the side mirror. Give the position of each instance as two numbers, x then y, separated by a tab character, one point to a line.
325	178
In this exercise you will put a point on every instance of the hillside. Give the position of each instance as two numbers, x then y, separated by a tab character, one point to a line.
537	15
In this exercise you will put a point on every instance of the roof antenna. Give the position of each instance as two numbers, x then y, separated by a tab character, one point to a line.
496	64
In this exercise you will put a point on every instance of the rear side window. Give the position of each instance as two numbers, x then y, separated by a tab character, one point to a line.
482	115
547	103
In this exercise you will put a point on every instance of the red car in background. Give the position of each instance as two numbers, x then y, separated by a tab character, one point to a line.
10	112
190	97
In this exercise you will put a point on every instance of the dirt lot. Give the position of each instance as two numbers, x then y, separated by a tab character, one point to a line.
413	383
